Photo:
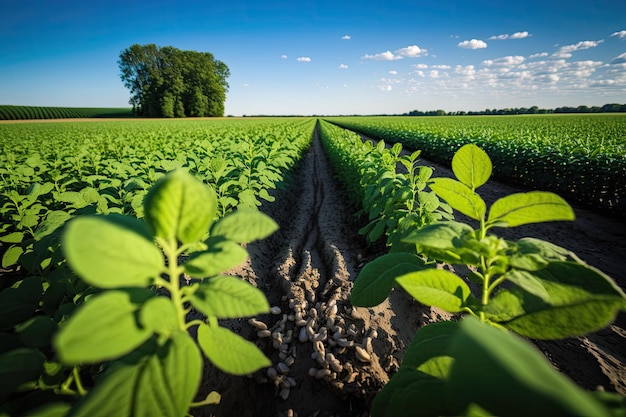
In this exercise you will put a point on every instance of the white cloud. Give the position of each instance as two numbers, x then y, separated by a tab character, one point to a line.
433	74
539	55
385	88
412	51
393	72
283	56
383	56
566	51
303	59
620	59
246	85
343	66
516	35
506	61
346	37
472	44
621	34
441	66
420	66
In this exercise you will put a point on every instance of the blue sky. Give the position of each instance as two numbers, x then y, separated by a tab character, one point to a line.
327	57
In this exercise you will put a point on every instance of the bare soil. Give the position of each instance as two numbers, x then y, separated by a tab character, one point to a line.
308	268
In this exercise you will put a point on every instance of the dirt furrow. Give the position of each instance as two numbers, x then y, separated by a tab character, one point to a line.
328	359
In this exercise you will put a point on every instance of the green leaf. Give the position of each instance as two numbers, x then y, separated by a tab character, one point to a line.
180	207
374	282
460	197
18	367
150	383
515	378
111	251
37	332
51	410
244	226
221	256
15	237
472	166
159	315
430	342
437	288
532	207
227	297
230	352
103	328
528	282
580	300
12	256
19	303
440	235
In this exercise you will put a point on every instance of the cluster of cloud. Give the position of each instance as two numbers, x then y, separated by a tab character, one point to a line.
303	59
412	51
346	37
566	51
473	44
516	35
512	75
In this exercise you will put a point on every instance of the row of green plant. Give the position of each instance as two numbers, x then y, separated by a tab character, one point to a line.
10	112
477	365
394	202
94	228
49	173
581	157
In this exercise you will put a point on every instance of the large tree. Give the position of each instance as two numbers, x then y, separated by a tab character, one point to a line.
168	82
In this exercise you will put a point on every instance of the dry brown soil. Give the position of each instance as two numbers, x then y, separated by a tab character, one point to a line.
307	269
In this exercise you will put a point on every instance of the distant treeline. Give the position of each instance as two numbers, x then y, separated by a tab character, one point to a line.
8	112
607	108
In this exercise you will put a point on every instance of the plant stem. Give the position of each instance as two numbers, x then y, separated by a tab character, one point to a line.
79	385
173	271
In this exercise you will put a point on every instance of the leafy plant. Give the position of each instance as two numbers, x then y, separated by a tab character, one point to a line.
129	339
395	203
531	287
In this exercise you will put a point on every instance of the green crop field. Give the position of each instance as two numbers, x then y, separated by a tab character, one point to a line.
8	112
118	239
582	157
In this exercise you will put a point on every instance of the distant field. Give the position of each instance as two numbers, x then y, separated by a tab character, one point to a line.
8	112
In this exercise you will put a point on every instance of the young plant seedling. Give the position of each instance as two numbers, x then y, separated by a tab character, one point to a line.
152	364
530	287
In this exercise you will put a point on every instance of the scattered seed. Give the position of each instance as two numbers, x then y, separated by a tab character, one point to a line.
257	324
284	393
282	367
322	373
263	333
271	372
275	310
361	354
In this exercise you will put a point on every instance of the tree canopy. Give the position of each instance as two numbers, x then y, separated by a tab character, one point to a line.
168	82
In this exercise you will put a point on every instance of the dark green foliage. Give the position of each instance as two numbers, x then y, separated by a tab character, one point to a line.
168	82
8	112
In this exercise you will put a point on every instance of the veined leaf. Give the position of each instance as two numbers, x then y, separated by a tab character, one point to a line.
460	197
103	328
374	282
532	207
227	297
515	378
111	251
440	235
472	166
244	226
159	315
151	383
181	207
230	352
221	256
437	288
